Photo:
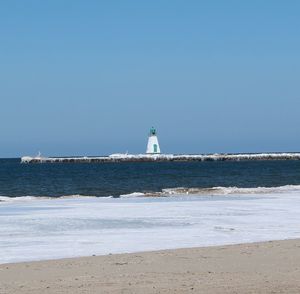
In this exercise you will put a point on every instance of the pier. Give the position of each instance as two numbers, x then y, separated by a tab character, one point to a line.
153	154
163	158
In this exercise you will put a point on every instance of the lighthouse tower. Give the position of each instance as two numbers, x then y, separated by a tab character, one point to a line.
153	146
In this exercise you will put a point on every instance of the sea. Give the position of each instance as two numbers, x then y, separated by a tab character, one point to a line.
60	210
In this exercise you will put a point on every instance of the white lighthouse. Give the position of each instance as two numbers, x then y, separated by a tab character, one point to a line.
153	146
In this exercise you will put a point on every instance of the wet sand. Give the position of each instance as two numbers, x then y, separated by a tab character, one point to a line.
269	267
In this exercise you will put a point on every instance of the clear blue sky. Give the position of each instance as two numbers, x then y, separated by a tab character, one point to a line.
91	77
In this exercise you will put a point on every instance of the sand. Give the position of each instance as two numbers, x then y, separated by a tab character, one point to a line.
269	267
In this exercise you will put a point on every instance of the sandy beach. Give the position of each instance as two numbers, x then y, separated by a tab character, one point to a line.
268	267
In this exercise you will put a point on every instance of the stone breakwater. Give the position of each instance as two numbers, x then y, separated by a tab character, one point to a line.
163	158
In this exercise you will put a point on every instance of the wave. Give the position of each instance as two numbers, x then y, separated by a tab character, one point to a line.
168	192
30	198
134	194
215	191
232	190
20	198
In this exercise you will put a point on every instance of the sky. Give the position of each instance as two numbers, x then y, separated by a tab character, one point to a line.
92	77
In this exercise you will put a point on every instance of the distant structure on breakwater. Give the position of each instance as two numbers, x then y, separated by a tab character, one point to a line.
153	146
153	154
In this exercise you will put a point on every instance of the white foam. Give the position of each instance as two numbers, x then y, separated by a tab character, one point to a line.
132	195
230	190
5	199
214	191
20	199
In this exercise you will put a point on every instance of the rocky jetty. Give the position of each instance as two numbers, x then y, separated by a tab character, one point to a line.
163	158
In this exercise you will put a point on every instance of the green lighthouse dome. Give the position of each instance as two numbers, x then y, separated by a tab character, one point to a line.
152	131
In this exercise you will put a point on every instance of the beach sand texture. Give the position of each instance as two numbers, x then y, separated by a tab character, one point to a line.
268	267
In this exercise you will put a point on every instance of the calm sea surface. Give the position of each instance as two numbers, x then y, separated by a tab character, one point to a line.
114	179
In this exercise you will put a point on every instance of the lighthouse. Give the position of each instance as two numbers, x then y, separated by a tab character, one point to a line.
153	146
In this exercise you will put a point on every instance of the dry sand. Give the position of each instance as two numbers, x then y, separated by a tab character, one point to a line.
270	267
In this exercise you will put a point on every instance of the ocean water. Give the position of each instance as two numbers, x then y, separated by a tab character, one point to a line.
115	179
218	203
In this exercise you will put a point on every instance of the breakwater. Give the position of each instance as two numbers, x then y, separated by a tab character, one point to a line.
163	158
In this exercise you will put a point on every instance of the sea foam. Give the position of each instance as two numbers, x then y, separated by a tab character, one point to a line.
168	192
214	191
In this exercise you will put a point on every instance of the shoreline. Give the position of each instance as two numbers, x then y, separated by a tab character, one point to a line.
264	267
217	191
